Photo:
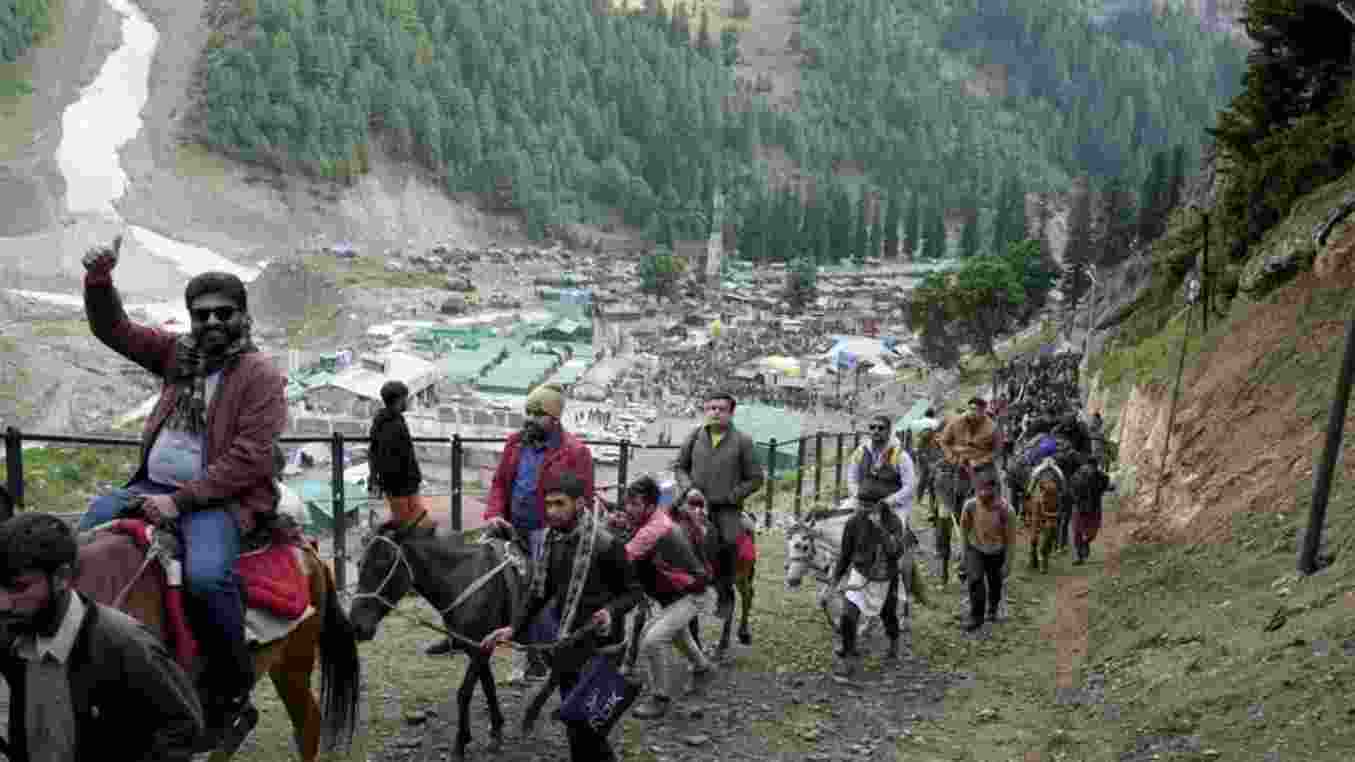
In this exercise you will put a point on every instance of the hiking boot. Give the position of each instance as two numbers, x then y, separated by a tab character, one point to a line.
972	625
439	647
653	709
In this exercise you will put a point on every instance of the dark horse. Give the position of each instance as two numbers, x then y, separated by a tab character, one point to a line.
474	588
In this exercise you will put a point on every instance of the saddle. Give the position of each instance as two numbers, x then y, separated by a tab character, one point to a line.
116	563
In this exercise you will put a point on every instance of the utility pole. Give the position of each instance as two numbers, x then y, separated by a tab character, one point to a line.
1336	420
1091	300
1204	271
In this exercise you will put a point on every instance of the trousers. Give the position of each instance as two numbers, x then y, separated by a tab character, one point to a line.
211	546
889	616
671	628
985	582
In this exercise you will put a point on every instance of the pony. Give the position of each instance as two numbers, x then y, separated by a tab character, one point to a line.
112	571
474	588
745	568
812	546
1047	492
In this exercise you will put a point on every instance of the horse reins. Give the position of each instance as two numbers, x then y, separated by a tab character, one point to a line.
470	590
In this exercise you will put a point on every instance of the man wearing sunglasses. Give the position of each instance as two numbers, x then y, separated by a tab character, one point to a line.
207	458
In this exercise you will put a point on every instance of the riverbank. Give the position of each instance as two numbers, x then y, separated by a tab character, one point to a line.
58	68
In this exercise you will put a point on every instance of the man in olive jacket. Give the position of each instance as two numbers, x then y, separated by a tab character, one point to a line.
86	681
718	459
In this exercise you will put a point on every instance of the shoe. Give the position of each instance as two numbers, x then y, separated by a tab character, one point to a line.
227	724
439	647
701	677
653	709
892	653
725	606
537	669
973	625
844	667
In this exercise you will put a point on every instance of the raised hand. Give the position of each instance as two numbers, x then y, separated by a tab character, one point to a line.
102	259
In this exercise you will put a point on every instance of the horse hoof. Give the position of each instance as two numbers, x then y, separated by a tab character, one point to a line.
746	638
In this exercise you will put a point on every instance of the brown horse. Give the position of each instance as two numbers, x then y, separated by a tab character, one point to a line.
111	568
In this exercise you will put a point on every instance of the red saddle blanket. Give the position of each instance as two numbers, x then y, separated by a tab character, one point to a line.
272	579
747	548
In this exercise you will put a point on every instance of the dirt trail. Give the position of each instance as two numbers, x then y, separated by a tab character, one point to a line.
859	719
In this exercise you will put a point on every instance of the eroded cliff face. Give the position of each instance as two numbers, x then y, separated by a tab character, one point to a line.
1250	419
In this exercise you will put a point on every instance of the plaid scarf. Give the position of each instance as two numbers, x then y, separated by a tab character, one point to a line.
190	376
584	534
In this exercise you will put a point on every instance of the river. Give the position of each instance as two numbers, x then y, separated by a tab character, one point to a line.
107	116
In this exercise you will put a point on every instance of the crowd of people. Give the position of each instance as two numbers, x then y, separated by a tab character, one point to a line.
592	567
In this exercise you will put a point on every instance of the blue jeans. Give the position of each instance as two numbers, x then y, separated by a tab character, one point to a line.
211	542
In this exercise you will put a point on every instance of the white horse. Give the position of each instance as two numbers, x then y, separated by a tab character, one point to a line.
814	546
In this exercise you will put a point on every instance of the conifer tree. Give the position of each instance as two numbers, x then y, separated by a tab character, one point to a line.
1079	251
935	246
704	42
969	237
913	228
890	235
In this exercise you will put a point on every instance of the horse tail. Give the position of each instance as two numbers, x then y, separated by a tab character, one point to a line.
340	671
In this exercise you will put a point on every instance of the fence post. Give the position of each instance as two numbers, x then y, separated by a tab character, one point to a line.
818	468
799	475
14	466
340	511
771	482
622	469
837	469
458	462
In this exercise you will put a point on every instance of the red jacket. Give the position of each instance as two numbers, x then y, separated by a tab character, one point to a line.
247	415
572	456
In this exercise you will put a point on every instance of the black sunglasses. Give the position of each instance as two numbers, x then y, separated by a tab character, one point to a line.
878	427
222	313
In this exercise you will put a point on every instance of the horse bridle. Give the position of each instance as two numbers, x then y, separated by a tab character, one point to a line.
821	572
402	560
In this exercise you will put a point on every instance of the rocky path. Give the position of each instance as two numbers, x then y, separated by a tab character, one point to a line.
739	715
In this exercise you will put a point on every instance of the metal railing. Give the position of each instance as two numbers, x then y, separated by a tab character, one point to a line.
804	460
